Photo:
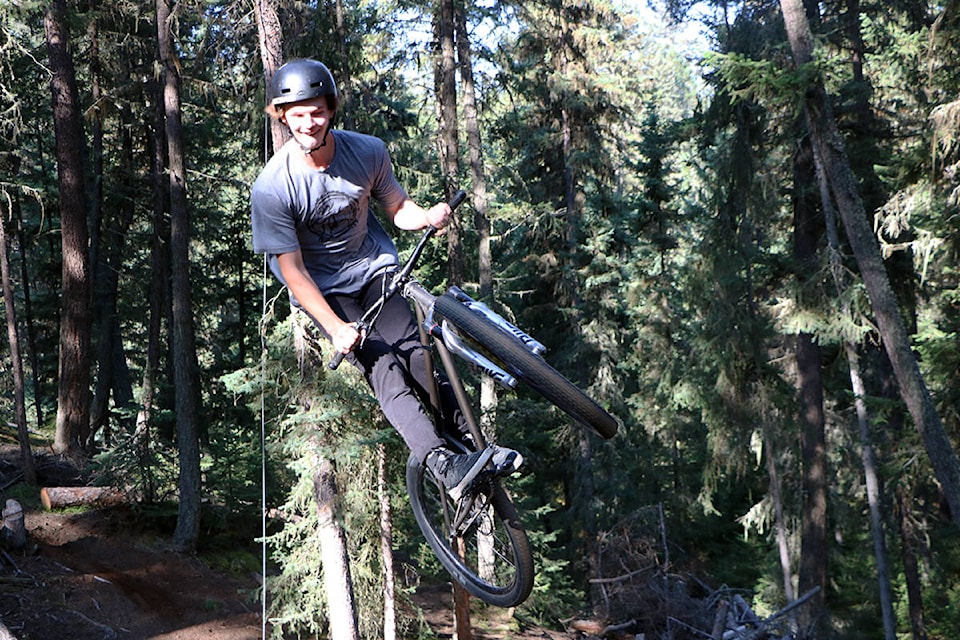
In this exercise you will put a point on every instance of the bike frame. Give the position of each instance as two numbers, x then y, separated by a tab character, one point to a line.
441	337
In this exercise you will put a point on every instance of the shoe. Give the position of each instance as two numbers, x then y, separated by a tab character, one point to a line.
505	461
457	471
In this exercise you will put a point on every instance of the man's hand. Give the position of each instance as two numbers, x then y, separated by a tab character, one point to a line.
438	216
345	338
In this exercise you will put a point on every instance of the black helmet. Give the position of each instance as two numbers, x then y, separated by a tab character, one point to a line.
301	79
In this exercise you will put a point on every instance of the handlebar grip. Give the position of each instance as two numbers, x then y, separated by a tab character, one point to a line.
457	199
335	361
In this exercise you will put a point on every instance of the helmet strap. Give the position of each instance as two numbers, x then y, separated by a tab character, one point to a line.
308	150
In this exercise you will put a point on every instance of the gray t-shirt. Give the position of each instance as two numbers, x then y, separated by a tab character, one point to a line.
327	214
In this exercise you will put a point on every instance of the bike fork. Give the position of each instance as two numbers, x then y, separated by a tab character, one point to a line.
533	345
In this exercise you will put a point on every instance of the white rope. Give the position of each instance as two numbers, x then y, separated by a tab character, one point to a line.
263	458
263	420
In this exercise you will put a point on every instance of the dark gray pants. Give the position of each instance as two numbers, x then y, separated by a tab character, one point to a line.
392	362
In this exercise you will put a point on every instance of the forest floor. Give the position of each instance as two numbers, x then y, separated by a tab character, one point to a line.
101	574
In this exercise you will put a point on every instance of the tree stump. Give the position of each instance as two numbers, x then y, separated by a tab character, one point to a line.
13	535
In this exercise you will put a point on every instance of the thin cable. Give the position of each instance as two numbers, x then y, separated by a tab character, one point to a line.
263	421
263	457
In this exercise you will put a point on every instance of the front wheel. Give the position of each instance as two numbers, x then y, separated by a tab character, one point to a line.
479	540
531	368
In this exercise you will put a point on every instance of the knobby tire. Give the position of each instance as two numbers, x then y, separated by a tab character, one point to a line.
506	581
526	366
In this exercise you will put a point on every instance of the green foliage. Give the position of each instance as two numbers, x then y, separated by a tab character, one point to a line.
333	416
942	586
642	229
147	466
750	80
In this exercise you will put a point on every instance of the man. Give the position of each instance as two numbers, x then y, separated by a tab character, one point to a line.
311	215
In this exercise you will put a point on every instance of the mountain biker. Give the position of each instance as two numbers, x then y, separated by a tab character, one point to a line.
311	214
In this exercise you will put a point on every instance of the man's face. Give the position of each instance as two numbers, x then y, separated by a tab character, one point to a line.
308	121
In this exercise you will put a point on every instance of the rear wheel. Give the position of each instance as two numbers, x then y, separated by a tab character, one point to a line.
531	368
480	541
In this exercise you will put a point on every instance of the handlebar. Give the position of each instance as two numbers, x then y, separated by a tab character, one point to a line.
336	360
457	199
363	325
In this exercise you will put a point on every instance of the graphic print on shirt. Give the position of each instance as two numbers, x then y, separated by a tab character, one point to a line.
333	216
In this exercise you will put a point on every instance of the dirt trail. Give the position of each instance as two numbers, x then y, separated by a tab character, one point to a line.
86	577
95	576
104	574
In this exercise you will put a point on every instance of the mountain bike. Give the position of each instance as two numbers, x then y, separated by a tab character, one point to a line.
479	539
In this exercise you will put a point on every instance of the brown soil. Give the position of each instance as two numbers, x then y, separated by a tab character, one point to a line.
90	576
487	623
101	574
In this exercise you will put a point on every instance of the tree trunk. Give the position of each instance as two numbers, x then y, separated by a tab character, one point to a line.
843	187
345	85
462	630
808	228
872	476
911	566
478	176
186	383
488	388
113	372
73	398
814	547
16	361
333	549
158	278
100	343
270	35
94	115
28	310
386	547
113	377
449	147
911	541
780	521
446	84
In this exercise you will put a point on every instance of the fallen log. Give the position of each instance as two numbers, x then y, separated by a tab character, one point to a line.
54	498
590	627
601	629
764	625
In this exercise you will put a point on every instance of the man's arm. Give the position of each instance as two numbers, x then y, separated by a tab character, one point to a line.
343	334
410	216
